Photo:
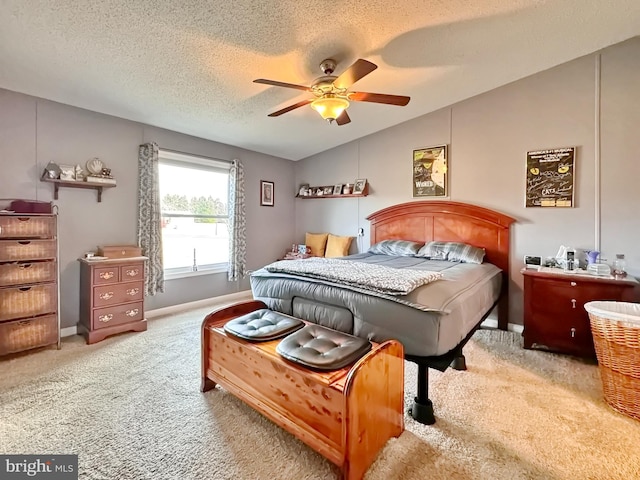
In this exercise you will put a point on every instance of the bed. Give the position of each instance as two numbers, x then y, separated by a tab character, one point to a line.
432	322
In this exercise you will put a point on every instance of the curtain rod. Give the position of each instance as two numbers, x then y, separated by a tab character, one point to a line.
195	155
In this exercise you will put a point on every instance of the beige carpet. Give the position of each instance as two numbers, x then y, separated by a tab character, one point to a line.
131	408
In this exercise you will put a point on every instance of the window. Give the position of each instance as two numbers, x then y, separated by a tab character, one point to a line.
194	202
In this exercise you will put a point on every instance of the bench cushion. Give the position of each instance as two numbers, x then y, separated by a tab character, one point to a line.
262	325
321	348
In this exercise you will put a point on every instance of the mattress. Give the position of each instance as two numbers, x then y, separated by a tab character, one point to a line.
431	320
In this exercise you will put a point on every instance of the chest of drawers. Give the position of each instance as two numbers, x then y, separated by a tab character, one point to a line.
29	315
111	297
554	314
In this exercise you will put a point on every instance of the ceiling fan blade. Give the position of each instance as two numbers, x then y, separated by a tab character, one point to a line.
290	107
354	73
379	98
343	118
282	84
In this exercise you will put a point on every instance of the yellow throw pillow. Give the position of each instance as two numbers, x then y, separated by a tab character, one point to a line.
317	242
338	246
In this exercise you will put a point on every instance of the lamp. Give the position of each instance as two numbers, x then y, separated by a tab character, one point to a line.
329	106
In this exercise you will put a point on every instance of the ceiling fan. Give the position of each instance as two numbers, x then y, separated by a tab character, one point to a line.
331	92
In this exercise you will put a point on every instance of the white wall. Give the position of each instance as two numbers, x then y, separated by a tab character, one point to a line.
488	137
35	131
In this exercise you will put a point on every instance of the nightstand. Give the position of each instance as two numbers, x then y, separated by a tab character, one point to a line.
554	314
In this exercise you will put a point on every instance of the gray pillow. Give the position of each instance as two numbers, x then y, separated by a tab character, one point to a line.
452	252
401	248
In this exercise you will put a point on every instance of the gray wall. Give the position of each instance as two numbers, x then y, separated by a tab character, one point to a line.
35	131
488	137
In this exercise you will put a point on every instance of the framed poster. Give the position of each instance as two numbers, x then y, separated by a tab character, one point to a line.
266	193
430	172
550	177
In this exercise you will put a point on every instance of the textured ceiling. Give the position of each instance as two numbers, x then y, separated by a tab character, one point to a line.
189	65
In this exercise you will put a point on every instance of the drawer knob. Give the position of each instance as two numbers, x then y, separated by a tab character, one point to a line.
106	275
132	313
133	291
573	332
106	296
106	318
573	302
24	265
133	272
573	284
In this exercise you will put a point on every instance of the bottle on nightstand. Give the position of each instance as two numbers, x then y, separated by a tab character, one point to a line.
620	266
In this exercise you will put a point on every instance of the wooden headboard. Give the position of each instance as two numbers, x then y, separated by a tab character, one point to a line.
424	221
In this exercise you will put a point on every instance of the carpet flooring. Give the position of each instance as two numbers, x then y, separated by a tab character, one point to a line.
131	408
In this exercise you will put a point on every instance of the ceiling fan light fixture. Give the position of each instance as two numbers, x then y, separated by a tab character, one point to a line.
330	107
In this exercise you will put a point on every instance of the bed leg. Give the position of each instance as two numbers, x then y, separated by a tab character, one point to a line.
422	409
459	362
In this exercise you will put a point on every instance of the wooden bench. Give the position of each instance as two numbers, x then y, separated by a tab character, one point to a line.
346	415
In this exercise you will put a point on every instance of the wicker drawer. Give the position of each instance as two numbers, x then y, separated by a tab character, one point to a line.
106	317
19	273
115	294
15	250
19	335
27	227
135	271
27	301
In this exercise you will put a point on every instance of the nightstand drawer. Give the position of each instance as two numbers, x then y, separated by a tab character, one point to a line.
104	275
118	293
135	271
559	333
106	317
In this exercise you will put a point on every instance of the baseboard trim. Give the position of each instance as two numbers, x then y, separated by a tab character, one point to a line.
512	327
170	310
69	331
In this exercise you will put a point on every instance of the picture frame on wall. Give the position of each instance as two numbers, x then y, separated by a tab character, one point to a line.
359	186
550	177
430	168
267	193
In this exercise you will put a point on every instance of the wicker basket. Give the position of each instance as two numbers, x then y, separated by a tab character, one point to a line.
615	327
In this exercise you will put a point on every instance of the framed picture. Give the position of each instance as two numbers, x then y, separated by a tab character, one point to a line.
337	189
358	186
550	177
327	190
430	172
266	193
304	190
67	172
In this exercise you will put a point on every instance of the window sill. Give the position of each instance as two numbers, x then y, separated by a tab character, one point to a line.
188	274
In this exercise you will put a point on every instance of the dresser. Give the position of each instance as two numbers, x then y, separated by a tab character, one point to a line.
29	298
111	297
554	314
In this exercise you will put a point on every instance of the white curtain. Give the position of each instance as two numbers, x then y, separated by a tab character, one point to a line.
149	217
237	225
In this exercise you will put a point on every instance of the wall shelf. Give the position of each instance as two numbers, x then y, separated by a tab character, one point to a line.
77	184
351	195
364	193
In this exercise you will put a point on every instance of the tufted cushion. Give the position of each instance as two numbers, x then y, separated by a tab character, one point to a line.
322	348
262	325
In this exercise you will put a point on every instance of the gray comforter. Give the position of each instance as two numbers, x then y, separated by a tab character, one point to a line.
430	320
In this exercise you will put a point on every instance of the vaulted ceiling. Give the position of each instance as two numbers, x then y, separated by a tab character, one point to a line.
189	65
